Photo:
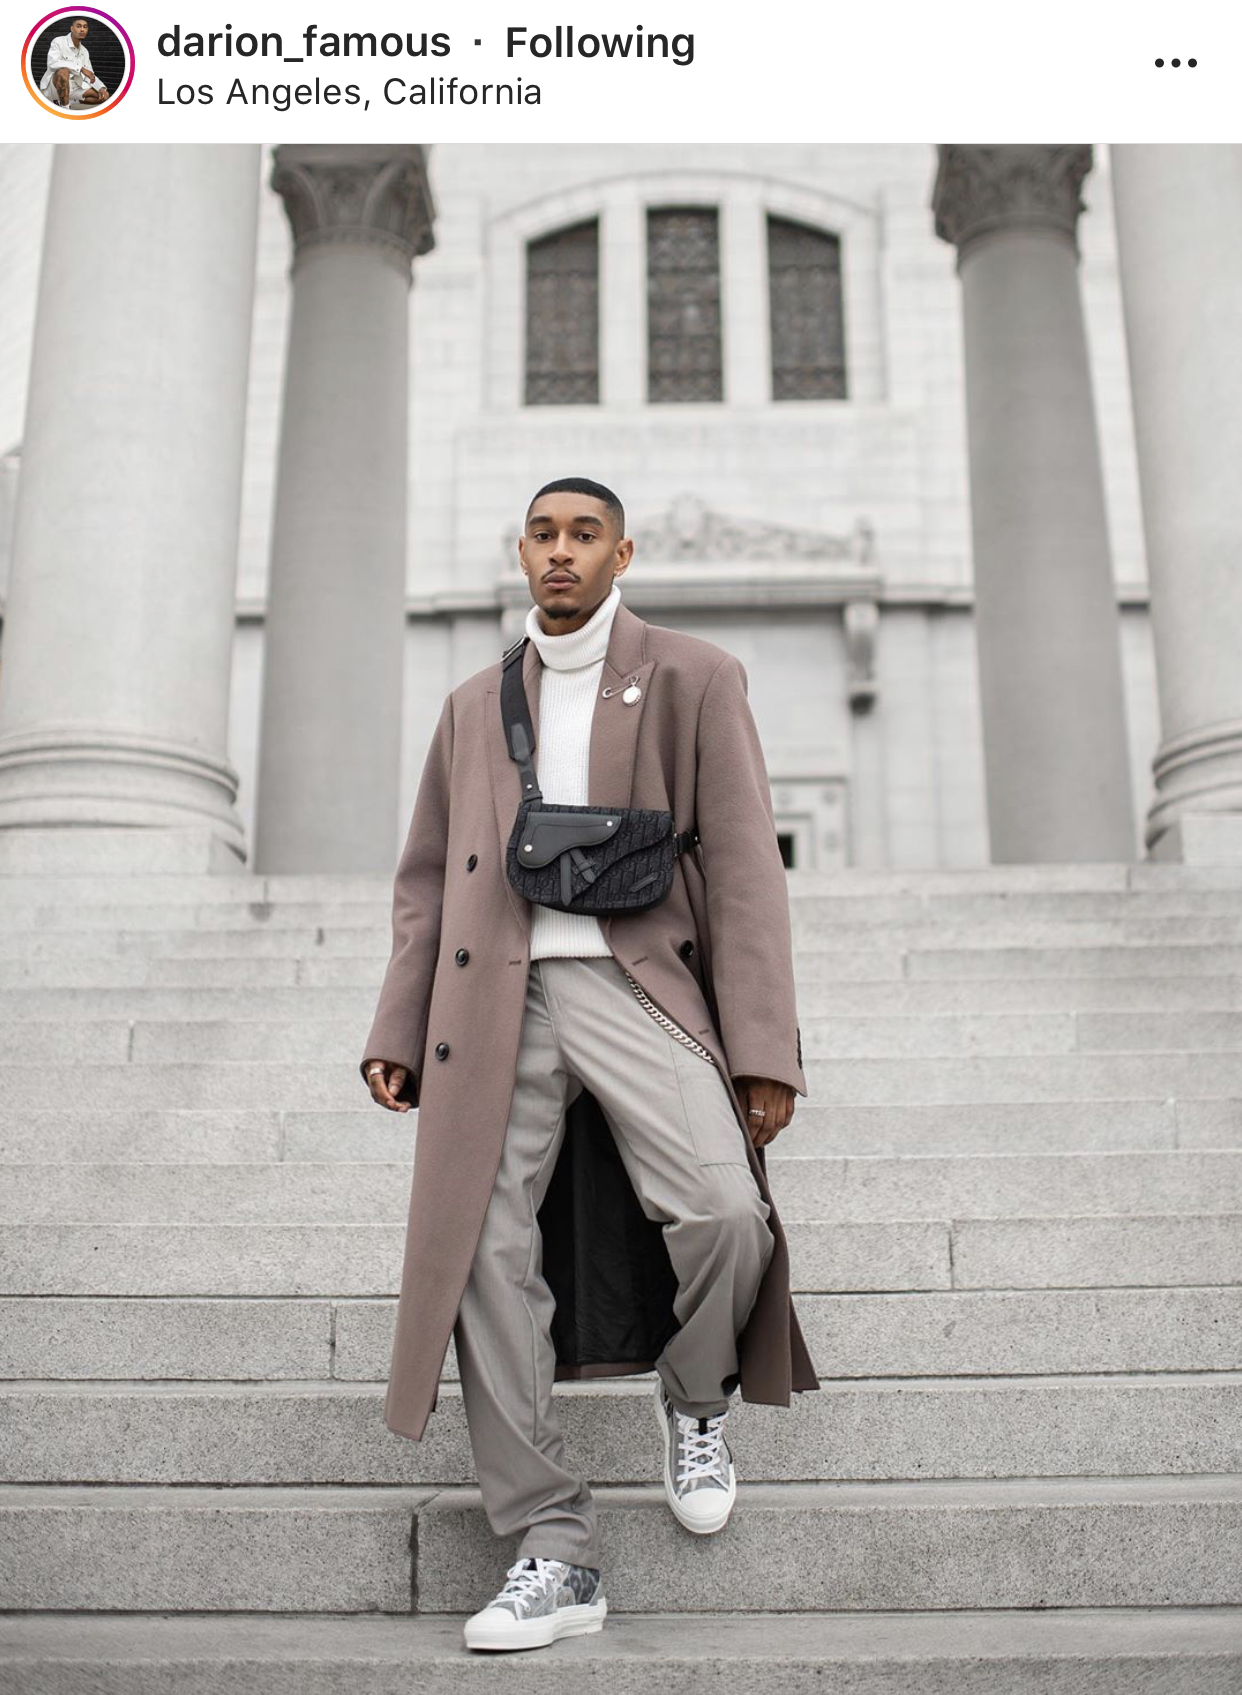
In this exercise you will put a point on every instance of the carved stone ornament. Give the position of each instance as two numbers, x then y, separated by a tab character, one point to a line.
357	195
982	189
690	530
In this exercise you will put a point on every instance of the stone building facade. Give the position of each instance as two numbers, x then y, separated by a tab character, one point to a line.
891	423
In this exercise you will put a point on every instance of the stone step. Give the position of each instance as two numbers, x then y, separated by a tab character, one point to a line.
364	1132
842	1189
1110	1651
883	965
90	969
1109	1251
813	933
817	999
311	1083
936	1332
32	877
287	961
59	912
865	1430
1009	1542
843	1036
212	930
996	883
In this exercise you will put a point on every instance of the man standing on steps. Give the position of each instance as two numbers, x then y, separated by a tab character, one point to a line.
540	1044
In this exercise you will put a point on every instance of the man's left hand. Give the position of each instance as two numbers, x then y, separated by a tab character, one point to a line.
776	1101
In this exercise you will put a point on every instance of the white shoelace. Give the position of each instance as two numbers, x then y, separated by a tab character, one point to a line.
525	1581
698	1451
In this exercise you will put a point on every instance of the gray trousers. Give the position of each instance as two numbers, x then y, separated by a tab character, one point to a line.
669	1111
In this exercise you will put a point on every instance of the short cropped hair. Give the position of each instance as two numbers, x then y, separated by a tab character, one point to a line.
584	485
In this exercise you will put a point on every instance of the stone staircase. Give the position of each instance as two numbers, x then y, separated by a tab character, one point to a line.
1014	1203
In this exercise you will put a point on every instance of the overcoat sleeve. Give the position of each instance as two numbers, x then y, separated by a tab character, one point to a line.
746	890
399	1030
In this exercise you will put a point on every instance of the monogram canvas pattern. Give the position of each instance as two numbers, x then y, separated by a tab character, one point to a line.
536	1586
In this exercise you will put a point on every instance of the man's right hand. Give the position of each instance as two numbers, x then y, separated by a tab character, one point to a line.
386	1080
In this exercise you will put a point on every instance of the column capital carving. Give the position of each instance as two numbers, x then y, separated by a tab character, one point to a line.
357	195
982	189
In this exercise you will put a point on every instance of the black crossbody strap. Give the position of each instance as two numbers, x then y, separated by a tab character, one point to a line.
515	709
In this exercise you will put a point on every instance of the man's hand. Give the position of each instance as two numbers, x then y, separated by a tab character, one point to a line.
386	1081
776	1101
89	75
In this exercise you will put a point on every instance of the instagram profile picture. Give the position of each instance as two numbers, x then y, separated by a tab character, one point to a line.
78	63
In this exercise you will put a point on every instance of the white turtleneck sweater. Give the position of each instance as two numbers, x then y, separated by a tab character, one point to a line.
572	676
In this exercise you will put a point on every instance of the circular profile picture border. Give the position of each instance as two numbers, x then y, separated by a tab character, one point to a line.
82	12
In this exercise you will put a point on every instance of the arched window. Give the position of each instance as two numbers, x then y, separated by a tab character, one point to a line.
562	316
808	330
683	304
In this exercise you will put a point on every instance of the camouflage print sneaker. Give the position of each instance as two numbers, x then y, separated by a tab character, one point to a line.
541	1601
699	1481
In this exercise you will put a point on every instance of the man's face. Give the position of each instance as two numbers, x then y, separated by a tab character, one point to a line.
77	30
571	552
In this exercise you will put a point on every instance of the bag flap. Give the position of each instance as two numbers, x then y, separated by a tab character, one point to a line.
547	834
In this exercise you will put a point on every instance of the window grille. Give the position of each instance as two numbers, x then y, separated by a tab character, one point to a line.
562	316
683	304
808	332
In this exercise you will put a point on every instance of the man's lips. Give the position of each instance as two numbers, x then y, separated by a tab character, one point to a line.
562	582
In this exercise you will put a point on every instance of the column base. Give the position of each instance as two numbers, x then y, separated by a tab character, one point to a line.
101	850
1201	838
64	781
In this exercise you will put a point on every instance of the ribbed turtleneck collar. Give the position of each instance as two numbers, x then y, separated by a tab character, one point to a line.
576	648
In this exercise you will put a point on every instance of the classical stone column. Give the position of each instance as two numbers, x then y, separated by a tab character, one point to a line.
1046	620
1178	211
118	633
332	686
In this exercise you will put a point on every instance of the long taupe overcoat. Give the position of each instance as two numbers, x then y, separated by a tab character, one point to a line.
715	956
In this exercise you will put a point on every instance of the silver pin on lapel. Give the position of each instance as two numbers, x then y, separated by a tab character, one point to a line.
632	693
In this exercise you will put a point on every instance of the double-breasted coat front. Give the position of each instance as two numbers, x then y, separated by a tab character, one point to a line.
715	956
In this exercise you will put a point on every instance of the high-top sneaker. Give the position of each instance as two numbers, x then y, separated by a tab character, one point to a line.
699	1481
541	1601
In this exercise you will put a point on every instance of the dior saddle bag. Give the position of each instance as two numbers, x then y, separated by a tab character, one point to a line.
596	859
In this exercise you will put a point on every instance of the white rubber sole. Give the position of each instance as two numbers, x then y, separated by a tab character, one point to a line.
497	1627
700	1526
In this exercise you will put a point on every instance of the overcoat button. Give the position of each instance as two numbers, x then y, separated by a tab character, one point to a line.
472	862
462	955
442	1050
686	949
